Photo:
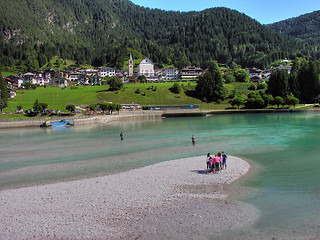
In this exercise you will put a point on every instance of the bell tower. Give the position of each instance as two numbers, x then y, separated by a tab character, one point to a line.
130	66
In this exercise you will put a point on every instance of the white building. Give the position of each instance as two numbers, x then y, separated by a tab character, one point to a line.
74	76
92	72
171	74
107	72
190	72
146	68
254	72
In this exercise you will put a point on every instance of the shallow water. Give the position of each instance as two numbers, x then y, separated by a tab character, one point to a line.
284	147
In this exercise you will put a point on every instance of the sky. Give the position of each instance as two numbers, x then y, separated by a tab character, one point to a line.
264	11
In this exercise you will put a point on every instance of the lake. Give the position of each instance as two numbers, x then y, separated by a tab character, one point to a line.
283	149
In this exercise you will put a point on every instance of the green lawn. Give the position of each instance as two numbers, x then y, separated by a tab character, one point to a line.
55	97
151	94
241	88
6	74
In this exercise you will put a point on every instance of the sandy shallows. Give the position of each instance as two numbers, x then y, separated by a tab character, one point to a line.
173	199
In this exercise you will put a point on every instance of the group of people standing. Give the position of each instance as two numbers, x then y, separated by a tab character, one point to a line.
216	163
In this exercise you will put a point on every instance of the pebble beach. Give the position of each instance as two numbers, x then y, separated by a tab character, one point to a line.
170	200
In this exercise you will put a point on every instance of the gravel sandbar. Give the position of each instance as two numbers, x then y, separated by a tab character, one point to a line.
170	200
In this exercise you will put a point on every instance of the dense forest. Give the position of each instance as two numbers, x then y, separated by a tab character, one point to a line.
104	32
305	27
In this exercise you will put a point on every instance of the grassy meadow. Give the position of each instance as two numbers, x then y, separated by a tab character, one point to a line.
58	98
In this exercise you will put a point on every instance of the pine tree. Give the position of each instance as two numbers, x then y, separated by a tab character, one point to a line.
209	86
309	81
4	95
293	79
278	84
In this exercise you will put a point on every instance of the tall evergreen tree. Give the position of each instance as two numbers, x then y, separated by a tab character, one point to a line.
309	81
4	95
293	79
3	89
209	86
278	84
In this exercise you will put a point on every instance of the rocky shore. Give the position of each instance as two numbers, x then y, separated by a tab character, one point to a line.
170	200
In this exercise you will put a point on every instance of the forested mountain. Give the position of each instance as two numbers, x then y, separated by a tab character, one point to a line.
305	27
103	32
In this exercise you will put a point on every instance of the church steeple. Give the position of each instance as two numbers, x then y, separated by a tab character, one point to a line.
130	66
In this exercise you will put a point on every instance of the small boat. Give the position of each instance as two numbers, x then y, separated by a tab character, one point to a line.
61	123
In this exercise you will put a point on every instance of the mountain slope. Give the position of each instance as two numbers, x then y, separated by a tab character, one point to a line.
305	27
103	32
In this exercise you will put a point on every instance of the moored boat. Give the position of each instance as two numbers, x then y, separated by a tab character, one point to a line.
61	123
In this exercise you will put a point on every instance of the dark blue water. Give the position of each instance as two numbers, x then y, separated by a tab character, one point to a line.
283	148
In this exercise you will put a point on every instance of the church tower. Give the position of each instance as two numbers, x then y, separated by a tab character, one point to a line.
130	66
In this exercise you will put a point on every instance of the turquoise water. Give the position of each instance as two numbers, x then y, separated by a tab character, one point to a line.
284	148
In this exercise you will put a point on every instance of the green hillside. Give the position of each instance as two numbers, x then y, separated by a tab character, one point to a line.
104	32
305	27
150	94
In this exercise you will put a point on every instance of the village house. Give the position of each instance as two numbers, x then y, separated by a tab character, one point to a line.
12	87
59	79
74	77
190	72
171	74
122	74
59	82
92	72
255	74
287	68
107	72
27	78
159	72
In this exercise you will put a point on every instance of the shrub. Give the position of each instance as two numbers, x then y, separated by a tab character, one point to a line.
241	75
228	78
138	91
262	86
176	88
254	103
115	84
39	107
93	107
252	87
236	101
278	101
71	107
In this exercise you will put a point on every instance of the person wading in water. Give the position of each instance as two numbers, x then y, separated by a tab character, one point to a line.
193	139
121	136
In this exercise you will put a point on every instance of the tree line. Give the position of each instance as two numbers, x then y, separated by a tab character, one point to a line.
303	81
301	85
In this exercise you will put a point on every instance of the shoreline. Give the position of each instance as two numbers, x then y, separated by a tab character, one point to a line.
173	199
149	115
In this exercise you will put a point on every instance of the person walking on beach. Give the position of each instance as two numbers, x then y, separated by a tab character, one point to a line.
209	158
224	160
193	139
121	136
